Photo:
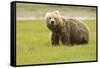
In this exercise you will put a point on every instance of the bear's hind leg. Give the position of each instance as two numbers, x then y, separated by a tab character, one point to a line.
84	41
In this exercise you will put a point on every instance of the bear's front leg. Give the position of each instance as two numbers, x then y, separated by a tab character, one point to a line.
65	39
54	39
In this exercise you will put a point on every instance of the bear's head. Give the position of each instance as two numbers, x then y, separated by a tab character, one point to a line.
53	20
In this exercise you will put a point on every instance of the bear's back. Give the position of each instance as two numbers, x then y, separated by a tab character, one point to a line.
78	30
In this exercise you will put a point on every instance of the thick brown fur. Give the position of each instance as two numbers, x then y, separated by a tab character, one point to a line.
68	31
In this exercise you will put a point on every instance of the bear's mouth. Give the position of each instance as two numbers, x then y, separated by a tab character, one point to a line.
53	27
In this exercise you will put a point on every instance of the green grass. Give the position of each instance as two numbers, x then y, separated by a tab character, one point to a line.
33	46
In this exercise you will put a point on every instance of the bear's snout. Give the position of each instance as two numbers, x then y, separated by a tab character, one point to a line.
52	22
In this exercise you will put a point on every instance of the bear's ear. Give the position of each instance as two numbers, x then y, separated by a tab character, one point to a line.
56	12
47	15
59	18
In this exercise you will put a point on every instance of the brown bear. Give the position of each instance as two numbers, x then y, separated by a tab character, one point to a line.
67	31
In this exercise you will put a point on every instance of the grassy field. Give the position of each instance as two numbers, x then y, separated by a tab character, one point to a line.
33	46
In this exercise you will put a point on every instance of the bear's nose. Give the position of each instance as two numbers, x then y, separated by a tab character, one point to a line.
52	22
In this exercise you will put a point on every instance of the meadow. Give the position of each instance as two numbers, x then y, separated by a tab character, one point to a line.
33	45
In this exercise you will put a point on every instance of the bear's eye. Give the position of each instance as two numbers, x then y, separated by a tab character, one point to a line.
54	18
49	17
